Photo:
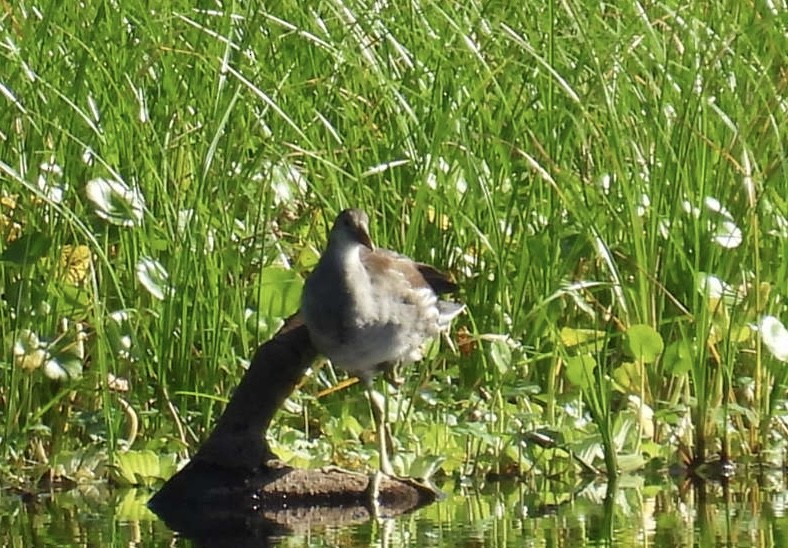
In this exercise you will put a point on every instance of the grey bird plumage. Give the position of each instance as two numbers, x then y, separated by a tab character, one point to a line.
367	309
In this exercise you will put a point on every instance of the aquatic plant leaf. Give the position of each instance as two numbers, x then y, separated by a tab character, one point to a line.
501	355
425	466
727	235
644	414
580	370
141	467
287	182
74	299
573	337
133	506
627	376
29	353
478	432
75	263
280	291
644	343
121	335
50	182
630	462
10	230
27	249
116	202
153	277
63	368
677	359
715	290
81	465
775	337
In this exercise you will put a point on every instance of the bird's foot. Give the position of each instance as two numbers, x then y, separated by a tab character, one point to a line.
372	493
391	375
373	487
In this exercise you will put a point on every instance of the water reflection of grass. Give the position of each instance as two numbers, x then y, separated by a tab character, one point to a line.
608	184
655	510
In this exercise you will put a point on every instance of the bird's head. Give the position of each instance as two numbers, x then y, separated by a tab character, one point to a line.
352	226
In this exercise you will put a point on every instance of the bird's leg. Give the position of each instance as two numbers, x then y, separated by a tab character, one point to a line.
379	406
391	374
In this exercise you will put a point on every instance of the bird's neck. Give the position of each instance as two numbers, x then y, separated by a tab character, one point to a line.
342	263
346	254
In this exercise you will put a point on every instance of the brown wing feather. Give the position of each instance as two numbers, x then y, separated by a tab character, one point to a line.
417	274
439	282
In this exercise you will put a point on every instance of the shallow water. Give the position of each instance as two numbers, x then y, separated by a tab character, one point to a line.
749	512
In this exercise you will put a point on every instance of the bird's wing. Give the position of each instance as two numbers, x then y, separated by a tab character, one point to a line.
415	274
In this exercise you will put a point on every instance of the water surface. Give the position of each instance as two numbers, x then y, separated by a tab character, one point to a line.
748	512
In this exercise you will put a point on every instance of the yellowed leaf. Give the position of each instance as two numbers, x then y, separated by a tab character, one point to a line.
75	263
443	222
9	229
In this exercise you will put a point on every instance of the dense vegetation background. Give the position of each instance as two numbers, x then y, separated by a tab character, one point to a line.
606	181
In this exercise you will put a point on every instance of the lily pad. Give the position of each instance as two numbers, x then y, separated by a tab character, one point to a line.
644	343
580	370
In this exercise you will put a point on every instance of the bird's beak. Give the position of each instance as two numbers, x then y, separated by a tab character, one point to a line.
364	239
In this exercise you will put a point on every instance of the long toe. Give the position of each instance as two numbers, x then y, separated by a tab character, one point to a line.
391	375
373	493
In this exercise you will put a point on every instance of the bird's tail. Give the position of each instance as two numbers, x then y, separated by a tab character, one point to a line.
447	311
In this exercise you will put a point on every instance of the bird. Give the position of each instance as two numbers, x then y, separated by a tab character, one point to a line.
369	310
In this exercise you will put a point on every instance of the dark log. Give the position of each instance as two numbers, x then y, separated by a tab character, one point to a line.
234	485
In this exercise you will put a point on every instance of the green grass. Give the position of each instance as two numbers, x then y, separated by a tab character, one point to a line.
556	157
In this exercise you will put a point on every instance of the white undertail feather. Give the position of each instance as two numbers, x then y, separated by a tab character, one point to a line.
447	311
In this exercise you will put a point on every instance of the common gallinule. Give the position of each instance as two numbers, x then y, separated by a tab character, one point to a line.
369	309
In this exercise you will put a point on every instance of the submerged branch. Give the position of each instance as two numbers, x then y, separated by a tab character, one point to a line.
235	481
